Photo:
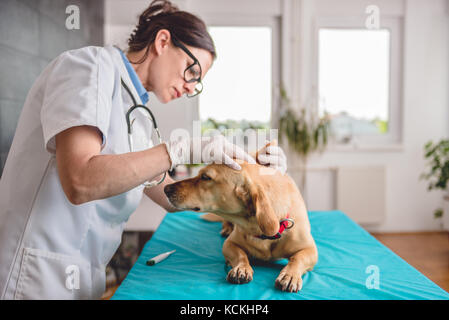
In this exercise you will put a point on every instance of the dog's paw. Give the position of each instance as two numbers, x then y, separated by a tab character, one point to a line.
240	275
290	282
226	229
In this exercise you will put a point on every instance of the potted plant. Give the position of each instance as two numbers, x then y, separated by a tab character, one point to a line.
306	132
437	174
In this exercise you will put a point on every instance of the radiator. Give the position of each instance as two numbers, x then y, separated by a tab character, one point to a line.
361	193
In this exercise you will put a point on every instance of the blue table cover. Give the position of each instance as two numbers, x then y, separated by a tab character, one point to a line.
348	259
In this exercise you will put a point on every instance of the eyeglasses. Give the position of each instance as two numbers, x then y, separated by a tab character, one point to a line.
193	72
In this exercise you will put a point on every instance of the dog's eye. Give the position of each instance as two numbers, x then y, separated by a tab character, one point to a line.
205	177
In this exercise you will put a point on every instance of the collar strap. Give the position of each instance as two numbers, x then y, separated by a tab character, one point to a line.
286	223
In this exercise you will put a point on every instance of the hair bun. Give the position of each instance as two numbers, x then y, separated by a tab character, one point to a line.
156	8
162	14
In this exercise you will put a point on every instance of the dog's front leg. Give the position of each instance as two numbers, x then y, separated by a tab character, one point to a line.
241	271
290	277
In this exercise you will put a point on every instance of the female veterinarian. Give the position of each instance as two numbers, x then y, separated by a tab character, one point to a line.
76	169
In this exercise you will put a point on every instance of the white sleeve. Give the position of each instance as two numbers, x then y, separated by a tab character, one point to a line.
78	92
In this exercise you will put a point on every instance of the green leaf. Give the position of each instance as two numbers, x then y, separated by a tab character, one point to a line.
438	213
303	133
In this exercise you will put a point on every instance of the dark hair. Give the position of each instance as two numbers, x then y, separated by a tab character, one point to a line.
184	26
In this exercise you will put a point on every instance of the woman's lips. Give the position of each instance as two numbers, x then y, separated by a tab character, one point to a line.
177	93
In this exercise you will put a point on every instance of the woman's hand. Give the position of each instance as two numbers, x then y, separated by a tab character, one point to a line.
273	156
214	149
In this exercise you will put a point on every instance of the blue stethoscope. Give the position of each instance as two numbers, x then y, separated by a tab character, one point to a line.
129	122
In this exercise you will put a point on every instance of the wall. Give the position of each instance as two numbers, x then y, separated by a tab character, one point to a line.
32	33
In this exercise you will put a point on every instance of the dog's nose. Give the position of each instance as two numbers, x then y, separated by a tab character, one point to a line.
169	189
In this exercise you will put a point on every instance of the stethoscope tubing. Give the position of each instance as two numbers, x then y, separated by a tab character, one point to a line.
147	184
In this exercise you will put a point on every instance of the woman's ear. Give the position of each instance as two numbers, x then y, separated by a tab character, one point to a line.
161	41
264	212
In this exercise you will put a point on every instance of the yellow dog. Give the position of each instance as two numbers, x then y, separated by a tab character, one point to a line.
268	213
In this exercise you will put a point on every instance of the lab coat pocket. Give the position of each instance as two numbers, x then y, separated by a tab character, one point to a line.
50	275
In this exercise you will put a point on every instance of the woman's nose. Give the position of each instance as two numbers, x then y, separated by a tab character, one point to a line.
189	87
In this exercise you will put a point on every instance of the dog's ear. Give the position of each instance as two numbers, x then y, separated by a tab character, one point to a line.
263	210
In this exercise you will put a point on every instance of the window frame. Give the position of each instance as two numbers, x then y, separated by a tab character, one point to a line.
393	138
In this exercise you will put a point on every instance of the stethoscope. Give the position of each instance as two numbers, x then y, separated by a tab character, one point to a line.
129	123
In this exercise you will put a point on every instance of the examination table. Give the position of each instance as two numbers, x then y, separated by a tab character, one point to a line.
352	264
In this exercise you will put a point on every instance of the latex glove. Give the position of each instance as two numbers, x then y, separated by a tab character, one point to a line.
273	156
214	149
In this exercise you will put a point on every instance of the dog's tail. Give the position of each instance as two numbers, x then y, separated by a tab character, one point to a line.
211	217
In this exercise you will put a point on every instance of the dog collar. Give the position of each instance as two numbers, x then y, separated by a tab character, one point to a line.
286	223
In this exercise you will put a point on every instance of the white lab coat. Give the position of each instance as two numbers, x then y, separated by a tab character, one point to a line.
50	248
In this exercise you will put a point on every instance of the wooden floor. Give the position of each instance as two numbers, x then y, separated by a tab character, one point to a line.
428	252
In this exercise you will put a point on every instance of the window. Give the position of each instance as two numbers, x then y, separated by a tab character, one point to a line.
358	81
238	88
354	80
